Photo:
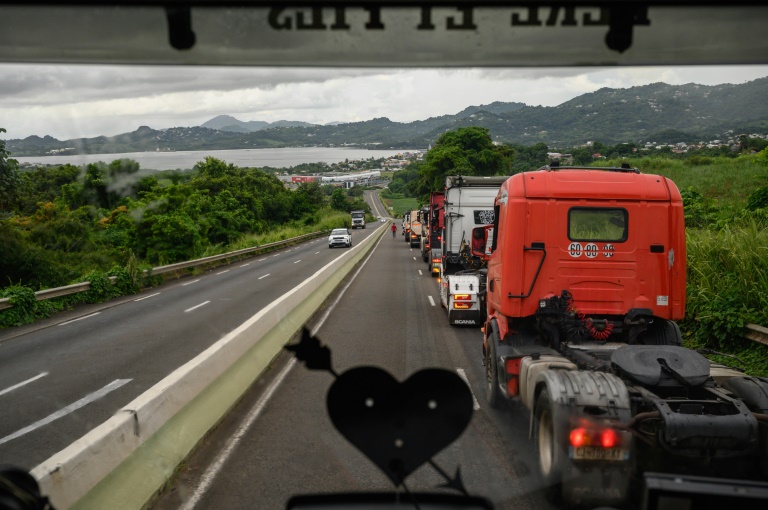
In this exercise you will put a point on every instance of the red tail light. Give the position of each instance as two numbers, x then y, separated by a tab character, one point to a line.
579	437
609	438
461	297
601	438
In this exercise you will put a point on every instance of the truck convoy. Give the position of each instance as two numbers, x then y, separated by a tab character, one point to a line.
358	219
468	204
586	277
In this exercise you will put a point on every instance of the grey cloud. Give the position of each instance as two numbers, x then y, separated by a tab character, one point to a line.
26	85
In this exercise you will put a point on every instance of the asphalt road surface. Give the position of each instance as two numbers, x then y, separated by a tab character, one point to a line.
279	441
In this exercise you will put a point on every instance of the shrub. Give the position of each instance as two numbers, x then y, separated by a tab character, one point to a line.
758	199
23	311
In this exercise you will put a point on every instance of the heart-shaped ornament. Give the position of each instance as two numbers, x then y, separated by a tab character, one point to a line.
399	426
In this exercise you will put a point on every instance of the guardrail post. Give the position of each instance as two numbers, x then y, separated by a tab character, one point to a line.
756	333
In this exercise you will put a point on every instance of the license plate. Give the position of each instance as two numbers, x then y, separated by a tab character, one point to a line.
594	453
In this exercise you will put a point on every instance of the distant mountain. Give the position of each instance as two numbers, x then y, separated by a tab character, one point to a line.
656	112
229	123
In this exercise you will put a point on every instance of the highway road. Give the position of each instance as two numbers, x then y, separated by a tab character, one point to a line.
279	441
60	381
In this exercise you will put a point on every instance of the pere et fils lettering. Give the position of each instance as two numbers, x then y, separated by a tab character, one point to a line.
458	18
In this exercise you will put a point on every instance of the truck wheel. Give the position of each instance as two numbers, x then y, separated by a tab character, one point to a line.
663	332
492	394
548	450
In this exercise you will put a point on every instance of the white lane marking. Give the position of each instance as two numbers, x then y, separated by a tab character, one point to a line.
260	277
222	272
297	261
431	301
23	383
248	264
79	319
420	273
196	306
414	258
147	297
190	283
262	260
210	474
317	252
117	383
463	375
276	255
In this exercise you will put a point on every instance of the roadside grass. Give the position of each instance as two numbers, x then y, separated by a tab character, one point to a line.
728	289
399	206
727	180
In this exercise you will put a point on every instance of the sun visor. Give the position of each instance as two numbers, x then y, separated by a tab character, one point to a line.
370	33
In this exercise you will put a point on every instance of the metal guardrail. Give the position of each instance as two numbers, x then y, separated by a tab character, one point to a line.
75	288
756	333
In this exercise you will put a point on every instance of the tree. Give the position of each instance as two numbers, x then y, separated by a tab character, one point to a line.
465	151
339	200
9	178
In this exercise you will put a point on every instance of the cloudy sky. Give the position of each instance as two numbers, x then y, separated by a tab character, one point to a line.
68	101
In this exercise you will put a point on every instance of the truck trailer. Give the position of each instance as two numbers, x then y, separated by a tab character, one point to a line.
467	205
586	278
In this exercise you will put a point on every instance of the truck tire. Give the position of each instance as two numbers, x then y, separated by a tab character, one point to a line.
492	393
549	453
662	332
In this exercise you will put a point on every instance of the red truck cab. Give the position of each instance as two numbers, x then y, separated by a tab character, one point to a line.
613	238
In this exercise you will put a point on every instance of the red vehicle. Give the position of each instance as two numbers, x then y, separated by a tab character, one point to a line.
432	247
585	280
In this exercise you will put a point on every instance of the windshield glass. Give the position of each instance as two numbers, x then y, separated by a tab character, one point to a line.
164	231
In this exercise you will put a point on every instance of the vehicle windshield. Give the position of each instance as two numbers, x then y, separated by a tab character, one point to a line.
168	183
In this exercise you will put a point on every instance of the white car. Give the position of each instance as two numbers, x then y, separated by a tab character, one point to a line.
340	237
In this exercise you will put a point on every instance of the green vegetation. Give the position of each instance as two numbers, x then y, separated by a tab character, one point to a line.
67	224
465	151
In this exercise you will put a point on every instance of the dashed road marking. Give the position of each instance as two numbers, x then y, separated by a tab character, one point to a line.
117	383
79	319
222	272
260	277
23	383
463	375
431	301
147	297
248	264
196	306
190	283
297	261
